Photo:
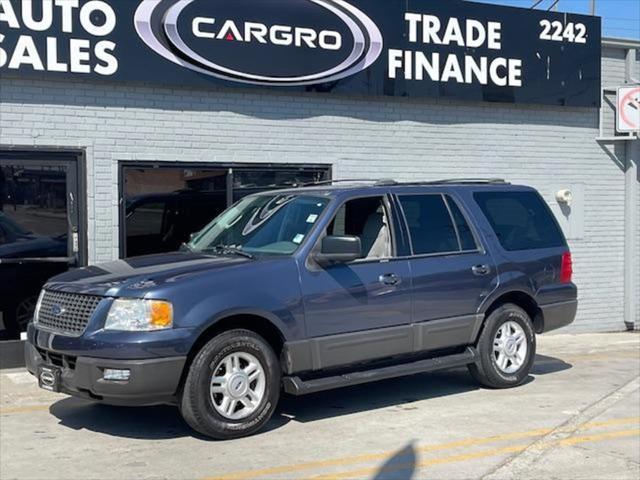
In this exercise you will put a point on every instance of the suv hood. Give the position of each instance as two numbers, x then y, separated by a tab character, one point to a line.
134	276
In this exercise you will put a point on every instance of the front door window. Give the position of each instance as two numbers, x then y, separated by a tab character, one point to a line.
367	219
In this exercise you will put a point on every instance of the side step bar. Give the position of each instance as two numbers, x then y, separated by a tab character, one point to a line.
297	386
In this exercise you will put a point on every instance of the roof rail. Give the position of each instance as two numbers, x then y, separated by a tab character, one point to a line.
469	181
376	182
391	182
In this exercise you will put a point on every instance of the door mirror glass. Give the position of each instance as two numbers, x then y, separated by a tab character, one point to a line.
339	249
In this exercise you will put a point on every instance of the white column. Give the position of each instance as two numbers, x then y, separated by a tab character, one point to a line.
632	245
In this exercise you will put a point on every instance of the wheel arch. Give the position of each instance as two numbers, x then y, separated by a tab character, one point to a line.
524	301
255	322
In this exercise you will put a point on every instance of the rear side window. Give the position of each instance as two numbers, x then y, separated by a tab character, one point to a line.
430	224
520	220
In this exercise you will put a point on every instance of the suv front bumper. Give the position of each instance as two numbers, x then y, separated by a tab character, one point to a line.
151	381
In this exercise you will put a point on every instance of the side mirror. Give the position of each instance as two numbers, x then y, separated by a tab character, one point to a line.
339	249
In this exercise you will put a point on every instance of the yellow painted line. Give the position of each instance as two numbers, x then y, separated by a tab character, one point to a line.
427	448
567	442
27	409
602	356
477	455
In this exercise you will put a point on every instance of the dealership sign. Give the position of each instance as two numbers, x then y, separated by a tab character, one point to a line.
414	48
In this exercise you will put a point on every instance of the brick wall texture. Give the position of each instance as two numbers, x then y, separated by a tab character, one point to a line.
405	139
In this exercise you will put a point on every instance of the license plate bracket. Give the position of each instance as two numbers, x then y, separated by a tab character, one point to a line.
49	378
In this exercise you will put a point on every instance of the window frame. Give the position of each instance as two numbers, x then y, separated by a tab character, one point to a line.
445	198
75	160
3	235
386	204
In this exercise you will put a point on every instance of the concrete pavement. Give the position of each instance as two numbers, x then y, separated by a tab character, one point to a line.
578	417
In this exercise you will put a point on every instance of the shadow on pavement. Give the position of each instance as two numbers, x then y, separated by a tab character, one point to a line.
151	423
545	365
401	466
165	422
398	392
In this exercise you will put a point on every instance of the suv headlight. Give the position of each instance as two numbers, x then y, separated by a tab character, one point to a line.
134	315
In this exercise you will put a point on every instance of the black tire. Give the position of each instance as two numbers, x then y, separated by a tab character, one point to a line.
486	370
196	404
24	312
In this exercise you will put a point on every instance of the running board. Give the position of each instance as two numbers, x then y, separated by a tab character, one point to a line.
297	386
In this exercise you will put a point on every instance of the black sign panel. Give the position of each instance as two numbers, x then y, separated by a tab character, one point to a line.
413	48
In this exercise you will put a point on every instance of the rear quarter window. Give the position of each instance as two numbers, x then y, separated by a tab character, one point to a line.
520	220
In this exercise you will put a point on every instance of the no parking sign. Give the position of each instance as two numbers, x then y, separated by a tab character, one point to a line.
629	109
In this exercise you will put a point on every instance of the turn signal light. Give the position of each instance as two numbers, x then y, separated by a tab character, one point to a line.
161	314
566	268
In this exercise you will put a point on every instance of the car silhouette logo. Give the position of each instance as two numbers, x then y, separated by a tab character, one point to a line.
57	310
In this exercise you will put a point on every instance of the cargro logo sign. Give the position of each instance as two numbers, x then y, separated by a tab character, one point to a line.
270	42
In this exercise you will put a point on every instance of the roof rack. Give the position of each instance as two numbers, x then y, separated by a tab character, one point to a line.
460	181
391	182
376	182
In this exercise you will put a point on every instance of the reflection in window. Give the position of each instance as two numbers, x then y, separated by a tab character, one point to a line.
430	225
33	199
167	205
262	224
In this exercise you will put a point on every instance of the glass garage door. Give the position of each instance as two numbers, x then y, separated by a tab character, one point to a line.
38	233
163	205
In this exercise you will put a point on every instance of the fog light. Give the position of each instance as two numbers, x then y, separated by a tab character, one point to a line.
113	374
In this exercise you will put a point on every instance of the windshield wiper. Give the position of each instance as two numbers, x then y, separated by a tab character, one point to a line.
228	249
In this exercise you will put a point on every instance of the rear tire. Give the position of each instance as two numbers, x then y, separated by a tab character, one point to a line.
233	386
506	348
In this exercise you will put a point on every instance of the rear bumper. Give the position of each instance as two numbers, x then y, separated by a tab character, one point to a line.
152	381
558	315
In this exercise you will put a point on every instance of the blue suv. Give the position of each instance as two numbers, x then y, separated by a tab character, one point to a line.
309	289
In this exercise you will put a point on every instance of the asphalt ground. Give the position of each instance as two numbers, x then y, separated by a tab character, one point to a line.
577	417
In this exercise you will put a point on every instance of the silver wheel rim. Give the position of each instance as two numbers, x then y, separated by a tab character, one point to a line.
510	347
237	386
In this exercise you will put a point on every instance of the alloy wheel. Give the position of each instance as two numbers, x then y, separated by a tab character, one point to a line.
238	385
510	347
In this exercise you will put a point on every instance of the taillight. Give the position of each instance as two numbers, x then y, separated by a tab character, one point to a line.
566	268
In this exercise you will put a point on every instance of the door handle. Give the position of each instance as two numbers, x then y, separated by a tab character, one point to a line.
390	279
481	270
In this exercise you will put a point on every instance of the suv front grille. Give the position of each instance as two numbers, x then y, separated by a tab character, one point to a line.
66	313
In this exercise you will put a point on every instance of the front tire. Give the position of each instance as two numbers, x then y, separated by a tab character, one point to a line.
506	348
233	386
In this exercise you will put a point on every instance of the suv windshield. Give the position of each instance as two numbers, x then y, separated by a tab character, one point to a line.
262	224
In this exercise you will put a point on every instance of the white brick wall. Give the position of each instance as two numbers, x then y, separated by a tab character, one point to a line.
360	137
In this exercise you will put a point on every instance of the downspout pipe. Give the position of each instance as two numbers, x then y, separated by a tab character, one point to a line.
631	214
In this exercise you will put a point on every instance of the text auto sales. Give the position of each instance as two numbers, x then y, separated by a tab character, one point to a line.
96	18
428	29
